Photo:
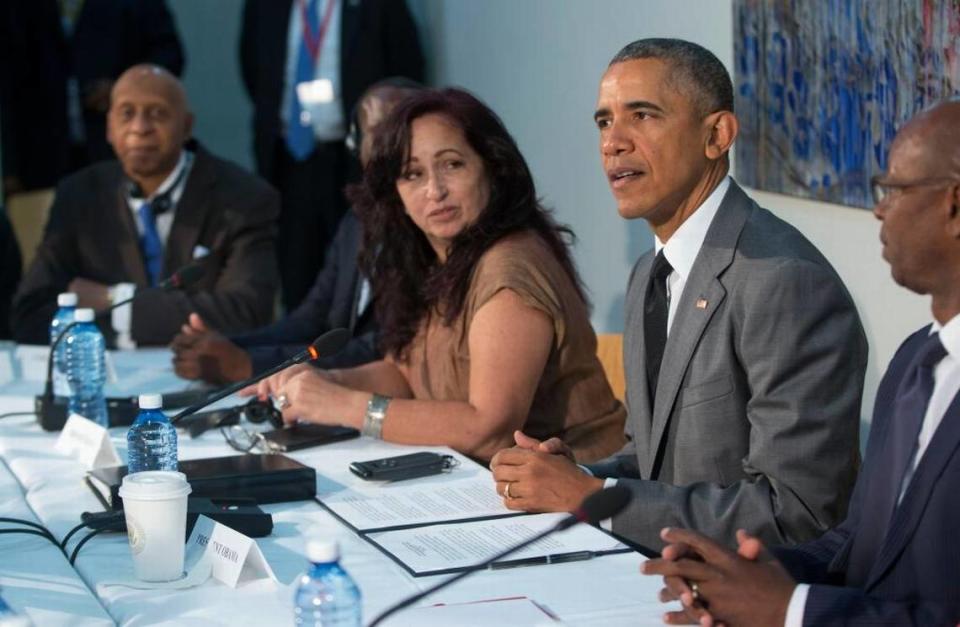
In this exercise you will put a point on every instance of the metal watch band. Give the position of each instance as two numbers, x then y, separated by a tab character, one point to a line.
373	418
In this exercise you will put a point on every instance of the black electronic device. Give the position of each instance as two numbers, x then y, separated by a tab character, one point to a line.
403	467
266	478
306	435
52	412
600	505
240	514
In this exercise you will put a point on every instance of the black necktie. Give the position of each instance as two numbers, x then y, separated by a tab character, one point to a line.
657	307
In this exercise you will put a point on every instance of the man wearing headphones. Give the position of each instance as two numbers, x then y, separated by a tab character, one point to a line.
118	228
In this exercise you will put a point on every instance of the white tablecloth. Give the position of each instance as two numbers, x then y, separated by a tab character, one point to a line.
603	591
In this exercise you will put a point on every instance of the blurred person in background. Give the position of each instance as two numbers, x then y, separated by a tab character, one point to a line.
305	64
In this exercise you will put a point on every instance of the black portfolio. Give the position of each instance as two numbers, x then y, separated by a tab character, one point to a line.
266	478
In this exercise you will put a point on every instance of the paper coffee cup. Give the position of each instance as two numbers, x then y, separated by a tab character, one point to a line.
155	507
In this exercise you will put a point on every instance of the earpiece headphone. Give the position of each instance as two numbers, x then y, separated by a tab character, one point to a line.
162	202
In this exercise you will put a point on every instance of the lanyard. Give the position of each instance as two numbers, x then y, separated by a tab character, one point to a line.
314	43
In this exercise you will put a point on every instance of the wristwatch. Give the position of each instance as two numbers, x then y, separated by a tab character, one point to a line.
373	418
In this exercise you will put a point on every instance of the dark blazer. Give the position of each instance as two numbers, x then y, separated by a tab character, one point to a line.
10	267
109	36
92	233
331	303
913	577
378	39
757	408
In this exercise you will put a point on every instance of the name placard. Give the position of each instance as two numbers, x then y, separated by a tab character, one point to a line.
233	556
88	443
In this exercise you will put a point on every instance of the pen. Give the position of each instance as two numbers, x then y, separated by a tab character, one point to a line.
557	558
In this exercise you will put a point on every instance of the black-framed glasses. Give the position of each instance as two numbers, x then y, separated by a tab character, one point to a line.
884	189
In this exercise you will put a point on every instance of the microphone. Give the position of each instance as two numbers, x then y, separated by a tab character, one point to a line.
600	505
53	415
327	344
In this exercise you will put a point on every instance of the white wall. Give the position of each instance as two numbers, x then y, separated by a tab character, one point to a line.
538	64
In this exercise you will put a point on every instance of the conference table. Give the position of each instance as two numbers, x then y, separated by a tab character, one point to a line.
40	484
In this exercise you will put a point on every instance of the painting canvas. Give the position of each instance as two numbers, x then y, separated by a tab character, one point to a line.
823	85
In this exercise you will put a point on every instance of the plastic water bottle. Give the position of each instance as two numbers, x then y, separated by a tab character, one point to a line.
86	368
67	303
11	618
151	440
326	595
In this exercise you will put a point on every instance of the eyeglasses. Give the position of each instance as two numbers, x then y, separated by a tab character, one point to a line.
884	189
246	440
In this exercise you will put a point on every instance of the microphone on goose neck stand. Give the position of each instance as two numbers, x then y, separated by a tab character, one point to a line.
600	505
327	344
52	414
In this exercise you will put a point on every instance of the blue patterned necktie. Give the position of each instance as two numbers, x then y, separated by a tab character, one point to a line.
150	244
300	140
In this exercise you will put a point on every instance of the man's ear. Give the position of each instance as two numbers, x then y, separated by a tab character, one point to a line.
723	128
953	218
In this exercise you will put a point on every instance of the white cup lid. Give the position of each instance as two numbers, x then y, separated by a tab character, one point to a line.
150	401
154	485
323	551
83	315
66	299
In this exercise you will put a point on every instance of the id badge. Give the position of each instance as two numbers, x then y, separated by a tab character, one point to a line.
313	95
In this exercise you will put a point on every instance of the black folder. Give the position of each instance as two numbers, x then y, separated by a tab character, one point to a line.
266	478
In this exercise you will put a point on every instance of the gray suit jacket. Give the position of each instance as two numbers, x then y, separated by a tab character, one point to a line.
758	402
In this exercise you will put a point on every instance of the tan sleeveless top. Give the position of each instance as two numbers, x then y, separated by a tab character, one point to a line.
573	400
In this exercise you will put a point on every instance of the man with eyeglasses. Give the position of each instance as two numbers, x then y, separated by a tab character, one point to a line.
895	560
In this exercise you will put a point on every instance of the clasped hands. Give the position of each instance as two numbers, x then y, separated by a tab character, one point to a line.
718	586
537	476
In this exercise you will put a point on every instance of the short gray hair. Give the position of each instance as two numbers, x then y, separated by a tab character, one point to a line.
696	71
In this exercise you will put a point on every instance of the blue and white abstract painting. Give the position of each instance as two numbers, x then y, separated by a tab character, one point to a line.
823	85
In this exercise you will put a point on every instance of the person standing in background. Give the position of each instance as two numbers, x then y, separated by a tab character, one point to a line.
61	59
305	64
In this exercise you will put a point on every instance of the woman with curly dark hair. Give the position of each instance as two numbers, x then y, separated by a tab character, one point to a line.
483	320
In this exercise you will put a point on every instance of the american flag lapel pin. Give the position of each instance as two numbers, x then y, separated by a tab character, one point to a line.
701	303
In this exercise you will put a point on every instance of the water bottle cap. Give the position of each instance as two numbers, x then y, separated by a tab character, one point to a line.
323	551
67	299
150	401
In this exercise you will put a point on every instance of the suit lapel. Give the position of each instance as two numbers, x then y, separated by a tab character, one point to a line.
942	446
702	296
191	212
634	356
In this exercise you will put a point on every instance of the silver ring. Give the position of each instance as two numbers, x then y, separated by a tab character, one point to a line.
695	591
283	402
506	491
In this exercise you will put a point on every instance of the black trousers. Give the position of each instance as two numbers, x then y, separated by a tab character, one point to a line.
312	203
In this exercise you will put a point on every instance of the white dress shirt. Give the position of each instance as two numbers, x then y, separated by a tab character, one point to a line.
325	117
120	318
684	245
946	386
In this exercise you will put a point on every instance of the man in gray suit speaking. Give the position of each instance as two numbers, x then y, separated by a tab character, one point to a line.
743	351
